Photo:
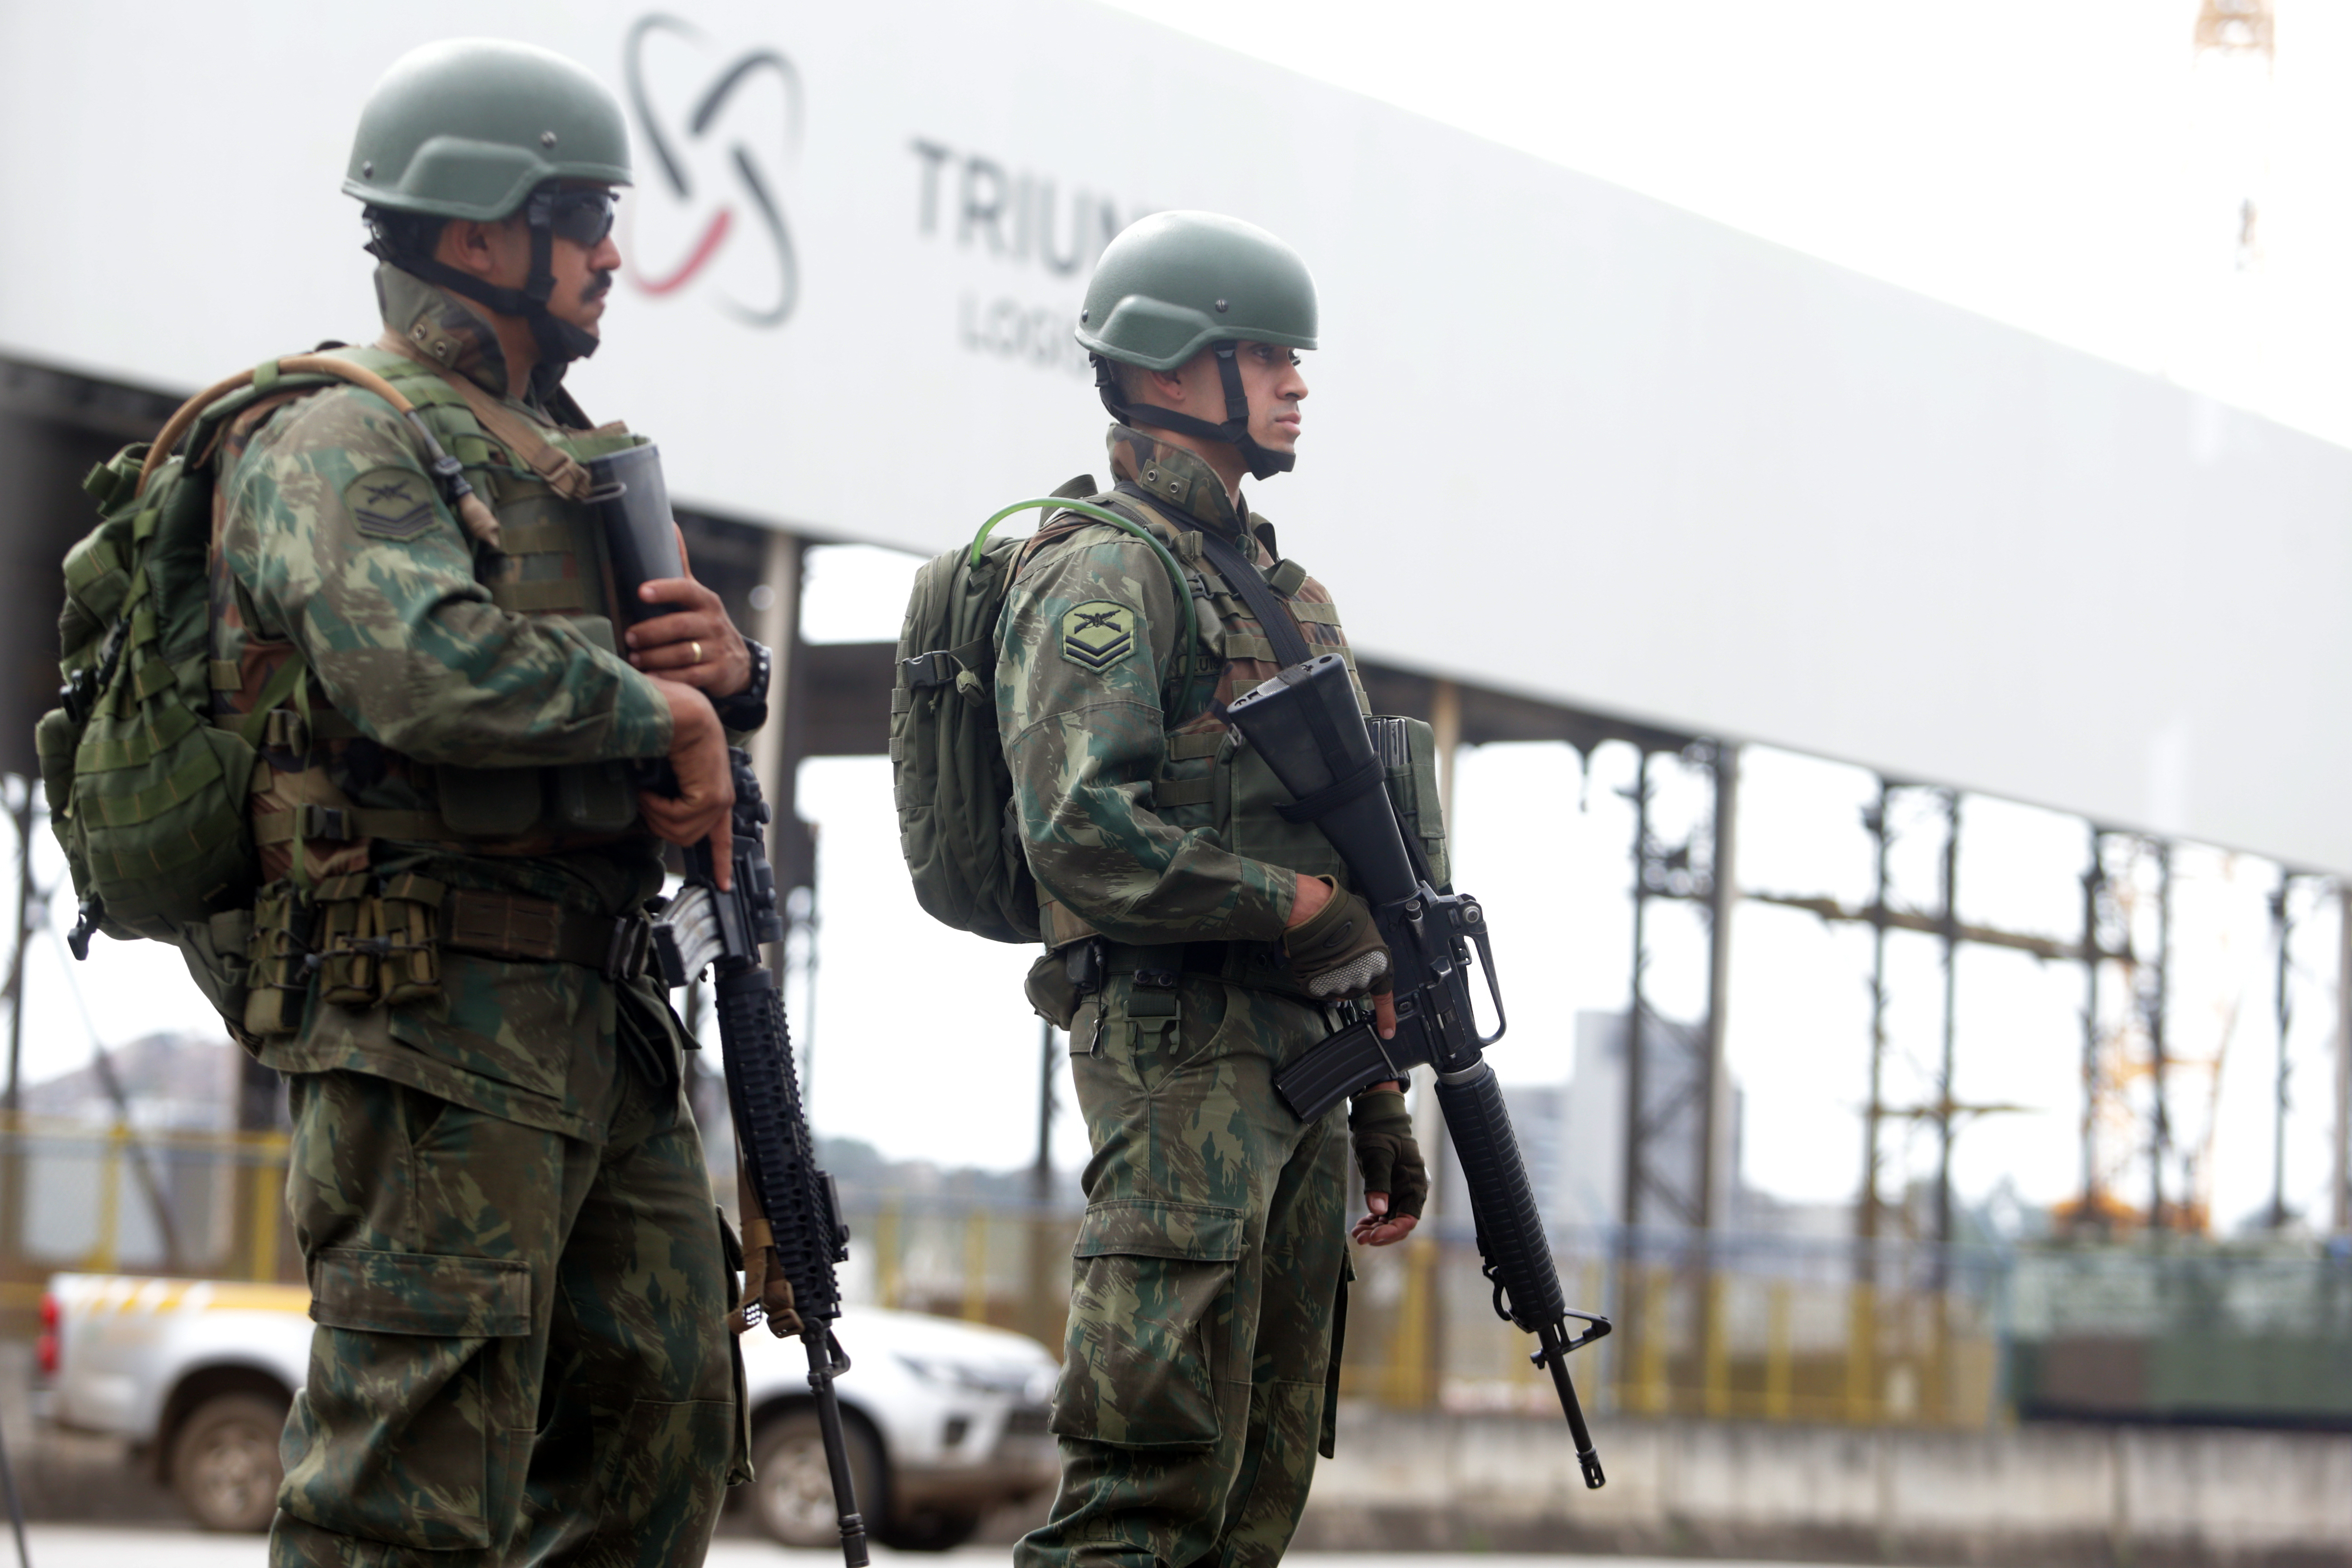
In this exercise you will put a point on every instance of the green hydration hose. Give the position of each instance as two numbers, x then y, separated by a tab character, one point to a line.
1104	514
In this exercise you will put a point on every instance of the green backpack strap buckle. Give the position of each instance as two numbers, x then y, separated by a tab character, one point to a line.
281	684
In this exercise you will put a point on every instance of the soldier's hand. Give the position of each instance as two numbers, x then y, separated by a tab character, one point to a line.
1376	1229
696	643
1396	1183
1337	952
704	805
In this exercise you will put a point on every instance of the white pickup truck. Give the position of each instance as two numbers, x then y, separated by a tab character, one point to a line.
946	1419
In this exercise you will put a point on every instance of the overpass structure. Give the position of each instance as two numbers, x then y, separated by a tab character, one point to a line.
1602	470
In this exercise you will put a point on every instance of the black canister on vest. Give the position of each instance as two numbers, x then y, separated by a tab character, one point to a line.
631	505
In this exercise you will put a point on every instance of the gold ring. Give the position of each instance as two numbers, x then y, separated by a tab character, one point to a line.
698	653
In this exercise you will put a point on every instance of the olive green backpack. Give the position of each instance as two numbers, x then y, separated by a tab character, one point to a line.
147	793
957	824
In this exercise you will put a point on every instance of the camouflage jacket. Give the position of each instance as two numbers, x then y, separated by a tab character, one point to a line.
401	636
405	643
1092	752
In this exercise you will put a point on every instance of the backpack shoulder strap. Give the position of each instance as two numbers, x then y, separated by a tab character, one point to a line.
1271	611
295	370
560	472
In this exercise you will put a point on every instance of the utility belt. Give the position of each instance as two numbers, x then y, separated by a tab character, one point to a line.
1254	966
370	941
1068	986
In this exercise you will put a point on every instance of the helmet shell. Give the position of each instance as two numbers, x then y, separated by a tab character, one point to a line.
1171	284
467	127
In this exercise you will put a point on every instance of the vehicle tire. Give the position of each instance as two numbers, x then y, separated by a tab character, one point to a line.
929	1531
225	1463
793	1491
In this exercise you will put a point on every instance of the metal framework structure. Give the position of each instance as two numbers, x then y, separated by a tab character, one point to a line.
2136	1049
1942	1112
1676	1174
1694	870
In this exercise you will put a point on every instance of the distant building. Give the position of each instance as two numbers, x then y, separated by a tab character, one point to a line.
1540	1114
1572	1135
1592	1172
172	1082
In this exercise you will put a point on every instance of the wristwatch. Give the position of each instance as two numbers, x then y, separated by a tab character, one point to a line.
747	708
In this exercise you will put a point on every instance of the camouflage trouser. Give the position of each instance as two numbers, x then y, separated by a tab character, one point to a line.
521	1355
1208	1278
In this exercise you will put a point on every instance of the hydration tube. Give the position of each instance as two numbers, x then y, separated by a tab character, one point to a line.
1104	514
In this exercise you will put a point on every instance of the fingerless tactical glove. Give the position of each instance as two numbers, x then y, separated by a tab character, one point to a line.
1338	951
1382	1129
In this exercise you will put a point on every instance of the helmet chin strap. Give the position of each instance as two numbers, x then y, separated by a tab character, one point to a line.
1235	431
558	341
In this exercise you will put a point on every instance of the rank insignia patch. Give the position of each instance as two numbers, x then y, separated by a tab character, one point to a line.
390	504
1098	634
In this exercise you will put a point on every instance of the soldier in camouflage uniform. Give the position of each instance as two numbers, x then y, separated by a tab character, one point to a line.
517	1274
1197	940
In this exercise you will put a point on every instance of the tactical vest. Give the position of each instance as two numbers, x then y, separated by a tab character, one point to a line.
548	557
1210	777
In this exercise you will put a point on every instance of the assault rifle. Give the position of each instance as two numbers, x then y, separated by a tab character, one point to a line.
1306	725
726	931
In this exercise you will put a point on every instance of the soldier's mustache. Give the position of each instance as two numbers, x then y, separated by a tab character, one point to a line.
596	288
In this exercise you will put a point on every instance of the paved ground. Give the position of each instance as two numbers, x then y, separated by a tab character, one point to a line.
94	1546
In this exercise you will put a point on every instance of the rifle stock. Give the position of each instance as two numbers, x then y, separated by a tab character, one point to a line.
728	931
1306	725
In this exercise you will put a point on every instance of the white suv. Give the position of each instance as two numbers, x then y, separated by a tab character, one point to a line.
945	1420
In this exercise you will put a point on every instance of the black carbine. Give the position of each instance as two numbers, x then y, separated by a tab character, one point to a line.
1306	724
726	933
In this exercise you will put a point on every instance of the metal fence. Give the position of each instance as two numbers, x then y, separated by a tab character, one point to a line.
1766	1328
2238	1336
1761	1328
112	1199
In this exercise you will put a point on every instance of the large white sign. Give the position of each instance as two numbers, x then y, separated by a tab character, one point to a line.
1562	440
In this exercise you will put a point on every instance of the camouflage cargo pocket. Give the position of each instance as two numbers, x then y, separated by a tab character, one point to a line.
515	1022
410	1429
1139	1368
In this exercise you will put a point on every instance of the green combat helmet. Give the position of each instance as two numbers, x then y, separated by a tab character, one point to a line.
479	129
1177	282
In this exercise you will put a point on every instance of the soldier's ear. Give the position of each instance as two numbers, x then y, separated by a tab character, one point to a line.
465	245
480	248
1167	385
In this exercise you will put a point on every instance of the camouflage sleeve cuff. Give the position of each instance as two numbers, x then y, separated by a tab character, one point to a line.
1263	912
1283	894
641	726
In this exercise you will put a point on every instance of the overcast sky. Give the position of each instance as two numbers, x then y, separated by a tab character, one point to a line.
2071	169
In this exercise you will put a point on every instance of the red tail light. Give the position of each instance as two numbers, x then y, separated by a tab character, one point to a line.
46	1350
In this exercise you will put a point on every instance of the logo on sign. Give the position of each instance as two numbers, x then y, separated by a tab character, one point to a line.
722	130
